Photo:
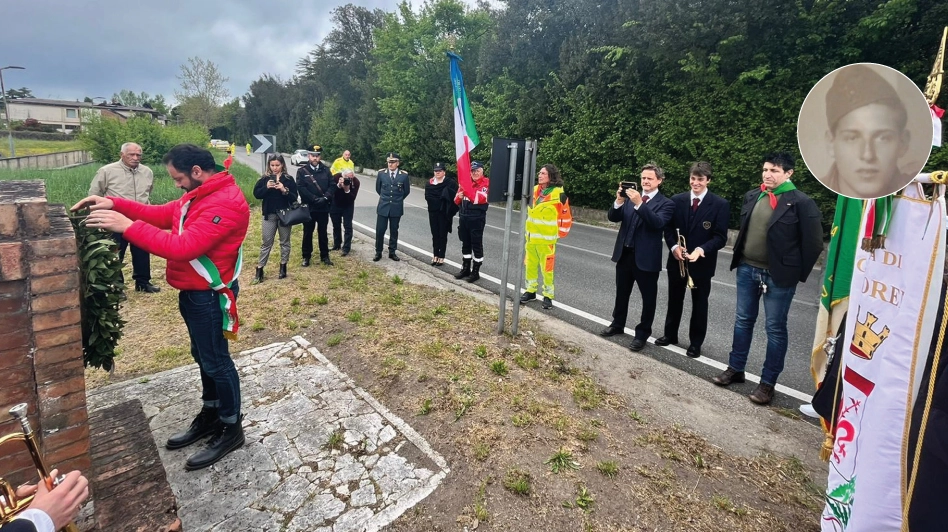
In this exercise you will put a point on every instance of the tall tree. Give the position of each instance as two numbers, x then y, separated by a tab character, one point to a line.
202	91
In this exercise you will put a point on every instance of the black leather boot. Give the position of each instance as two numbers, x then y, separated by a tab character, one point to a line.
475	272
205	424
229	436
282	272
258	276
465	269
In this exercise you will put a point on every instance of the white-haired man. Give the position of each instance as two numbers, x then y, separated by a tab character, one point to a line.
128	179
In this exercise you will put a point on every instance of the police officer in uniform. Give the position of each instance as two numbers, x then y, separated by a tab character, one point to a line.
316	187
472	198
392	186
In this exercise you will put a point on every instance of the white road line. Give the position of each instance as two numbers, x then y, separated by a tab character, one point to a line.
796	394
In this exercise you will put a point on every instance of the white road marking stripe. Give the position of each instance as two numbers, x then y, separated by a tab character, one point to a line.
796	394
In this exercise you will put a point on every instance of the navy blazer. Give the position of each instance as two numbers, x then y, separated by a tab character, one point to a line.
647	223
705	228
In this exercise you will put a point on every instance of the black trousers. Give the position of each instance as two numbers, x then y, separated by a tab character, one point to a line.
440	224
319	222
141	260
342	219
471	233
381	222
627	275
698	326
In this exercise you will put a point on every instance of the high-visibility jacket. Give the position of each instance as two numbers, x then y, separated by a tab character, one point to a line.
550	218
341	164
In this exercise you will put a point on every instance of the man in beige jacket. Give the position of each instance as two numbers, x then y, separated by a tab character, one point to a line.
128	178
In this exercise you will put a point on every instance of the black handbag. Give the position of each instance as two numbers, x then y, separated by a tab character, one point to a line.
297	213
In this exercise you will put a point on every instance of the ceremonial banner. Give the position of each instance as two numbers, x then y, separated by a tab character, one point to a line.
465	134
892	307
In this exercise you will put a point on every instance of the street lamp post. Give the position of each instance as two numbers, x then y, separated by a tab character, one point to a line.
6	107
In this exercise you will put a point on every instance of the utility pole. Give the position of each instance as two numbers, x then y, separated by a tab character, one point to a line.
6	107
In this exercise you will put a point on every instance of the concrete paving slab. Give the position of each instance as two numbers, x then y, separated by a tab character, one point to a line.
286	477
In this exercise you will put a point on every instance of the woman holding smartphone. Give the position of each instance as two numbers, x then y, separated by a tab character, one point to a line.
278	191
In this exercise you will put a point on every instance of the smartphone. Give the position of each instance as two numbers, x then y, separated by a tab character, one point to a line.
626	185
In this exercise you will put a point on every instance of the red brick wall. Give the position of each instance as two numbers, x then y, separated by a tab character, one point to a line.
40	336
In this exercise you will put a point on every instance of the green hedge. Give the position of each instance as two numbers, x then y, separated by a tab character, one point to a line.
104	137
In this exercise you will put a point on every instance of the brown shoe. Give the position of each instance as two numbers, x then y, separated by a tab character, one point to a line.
729	377
763	394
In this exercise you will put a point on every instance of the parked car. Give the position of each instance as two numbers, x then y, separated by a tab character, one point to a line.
299	158
218	143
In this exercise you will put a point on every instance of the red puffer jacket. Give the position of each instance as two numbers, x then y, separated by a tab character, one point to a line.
215	225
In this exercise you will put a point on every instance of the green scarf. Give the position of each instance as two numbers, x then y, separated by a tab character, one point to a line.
781	188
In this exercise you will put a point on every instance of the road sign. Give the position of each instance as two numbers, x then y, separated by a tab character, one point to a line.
263	143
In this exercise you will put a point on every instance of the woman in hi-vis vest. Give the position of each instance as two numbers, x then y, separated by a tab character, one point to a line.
548	219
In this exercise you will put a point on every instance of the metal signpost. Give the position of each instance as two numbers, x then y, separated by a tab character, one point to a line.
519	185
263	144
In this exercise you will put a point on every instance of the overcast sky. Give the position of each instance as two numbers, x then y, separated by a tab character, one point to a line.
74	48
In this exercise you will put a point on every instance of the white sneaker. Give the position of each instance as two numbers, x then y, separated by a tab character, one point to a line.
808	411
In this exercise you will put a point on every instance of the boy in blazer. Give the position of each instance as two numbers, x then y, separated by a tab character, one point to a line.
701	219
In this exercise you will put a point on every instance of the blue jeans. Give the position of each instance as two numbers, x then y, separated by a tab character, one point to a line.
201	310
776	307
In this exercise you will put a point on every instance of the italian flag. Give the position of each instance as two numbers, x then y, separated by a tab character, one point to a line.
465	134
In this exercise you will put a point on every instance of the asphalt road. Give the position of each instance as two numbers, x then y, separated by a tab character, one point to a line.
585	288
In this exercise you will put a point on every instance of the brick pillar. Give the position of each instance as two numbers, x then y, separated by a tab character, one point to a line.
41	336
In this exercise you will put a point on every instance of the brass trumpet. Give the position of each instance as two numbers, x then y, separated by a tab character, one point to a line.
682	264
10	504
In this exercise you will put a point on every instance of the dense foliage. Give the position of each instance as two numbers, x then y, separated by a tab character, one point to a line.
605	85
104	137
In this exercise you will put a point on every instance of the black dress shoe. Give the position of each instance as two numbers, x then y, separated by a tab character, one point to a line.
693	351
344	252
326	261
228	437
335	248
205	424
637	344
394	257
610	331
664	340
147	288
305	263
729	376
377	257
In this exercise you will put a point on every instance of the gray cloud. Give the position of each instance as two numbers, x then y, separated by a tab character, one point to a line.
76	48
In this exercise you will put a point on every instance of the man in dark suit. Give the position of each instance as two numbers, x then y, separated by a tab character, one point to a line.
392	186
778	244
638	250
701	219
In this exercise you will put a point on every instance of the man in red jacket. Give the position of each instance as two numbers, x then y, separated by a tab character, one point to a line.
203	248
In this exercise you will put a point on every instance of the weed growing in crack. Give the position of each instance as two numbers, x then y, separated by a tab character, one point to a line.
561	461
608	468
499	367
517	482
335	441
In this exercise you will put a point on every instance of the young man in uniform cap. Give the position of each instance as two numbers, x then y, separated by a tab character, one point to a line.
316	186
472	198
867	134
392	186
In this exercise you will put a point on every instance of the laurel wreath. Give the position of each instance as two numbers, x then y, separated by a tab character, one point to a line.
102	290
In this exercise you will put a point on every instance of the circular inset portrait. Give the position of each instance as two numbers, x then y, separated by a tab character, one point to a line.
865	131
